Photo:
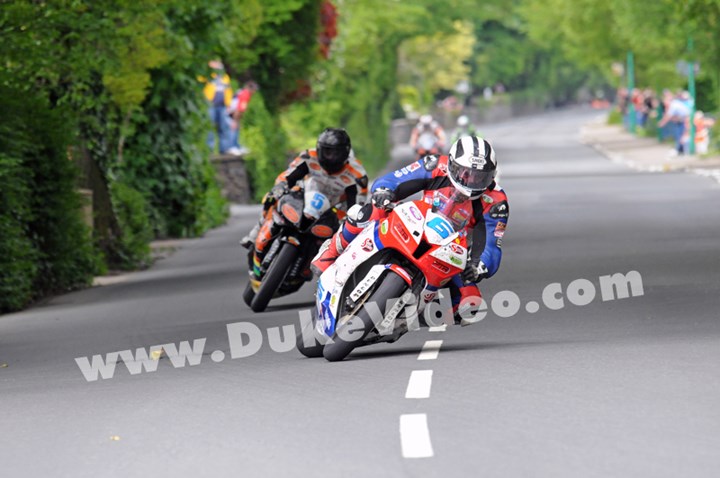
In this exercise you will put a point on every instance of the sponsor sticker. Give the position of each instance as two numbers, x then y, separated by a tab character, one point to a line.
499	210
500	229
461	218
456	249
367	245
414	166
477	161
487	199
456	260
415	213
384	227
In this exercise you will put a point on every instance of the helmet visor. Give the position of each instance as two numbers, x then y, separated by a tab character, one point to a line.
472	178
333	155
332	159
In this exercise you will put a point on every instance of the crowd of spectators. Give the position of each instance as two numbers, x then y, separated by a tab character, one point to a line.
670	113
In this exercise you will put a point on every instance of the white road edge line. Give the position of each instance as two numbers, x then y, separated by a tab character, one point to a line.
415	436
439	328
419	384
430	350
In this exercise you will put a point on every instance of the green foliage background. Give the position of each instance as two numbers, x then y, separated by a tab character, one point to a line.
118	81
44	245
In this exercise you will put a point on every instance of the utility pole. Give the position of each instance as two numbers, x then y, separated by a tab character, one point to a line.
631	87
691	89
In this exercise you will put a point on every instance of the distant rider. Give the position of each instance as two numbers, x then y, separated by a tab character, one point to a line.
428	126
464	128
469	172
335	171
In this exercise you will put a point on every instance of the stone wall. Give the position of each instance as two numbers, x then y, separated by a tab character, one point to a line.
233	177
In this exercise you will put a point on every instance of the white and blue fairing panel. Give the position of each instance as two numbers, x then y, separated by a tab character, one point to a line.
326	319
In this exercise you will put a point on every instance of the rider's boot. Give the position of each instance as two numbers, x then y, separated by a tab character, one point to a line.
466	302
251	237
249	240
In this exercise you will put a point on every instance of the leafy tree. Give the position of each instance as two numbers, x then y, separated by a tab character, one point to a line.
436	62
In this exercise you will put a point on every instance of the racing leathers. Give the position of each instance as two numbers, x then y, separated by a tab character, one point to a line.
485	218
348	186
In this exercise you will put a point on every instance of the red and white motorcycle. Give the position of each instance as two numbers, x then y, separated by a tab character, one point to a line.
393	265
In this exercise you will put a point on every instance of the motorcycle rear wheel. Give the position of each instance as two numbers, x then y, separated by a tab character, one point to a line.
392	287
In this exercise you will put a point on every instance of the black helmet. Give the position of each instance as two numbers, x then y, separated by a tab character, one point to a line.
333	149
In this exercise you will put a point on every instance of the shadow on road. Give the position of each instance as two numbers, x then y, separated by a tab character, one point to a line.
398	351
299	306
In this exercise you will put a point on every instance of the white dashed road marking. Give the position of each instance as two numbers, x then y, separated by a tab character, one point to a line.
414	432
439	328
419	384
415	436
430	350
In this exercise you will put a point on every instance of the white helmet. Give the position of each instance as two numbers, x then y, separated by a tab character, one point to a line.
471	165
462	121
426	120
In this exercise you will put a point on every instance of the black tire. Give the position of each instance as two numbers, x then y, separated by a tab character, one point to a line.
274	277
393	286
313	351
248	294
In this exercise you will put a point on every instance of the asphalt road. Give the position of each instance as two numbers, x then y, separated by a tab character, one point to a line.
627	387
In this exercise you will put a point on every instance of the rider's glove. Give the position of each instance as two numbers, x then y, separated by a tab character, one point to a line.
382	197
279	190
475	273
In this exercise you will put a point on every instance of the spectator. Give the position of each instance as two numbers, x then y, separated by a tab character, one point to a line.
218	93
622	104
675	115
487	93
638	101
648	106
702	133
237	111
664	105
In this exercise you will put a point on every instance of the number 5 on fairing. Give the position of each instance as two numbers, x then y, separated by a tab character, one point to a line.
317	201
441	226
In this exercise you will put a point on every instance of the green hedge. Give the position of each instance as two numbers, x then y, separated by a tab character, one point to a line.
44	244
167	162
264	136
132	248
18	257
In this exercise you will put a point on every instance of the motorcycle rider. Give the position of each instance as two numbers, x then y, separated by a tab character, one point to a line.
336	171
427	125
464	128
468	172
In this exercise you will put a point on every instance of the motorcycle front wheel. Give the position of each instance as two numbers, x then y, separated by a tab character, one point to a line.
392	287
275	276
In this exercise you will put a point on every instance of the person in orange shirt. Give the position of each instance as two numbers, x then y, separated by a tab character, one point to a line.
702	133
